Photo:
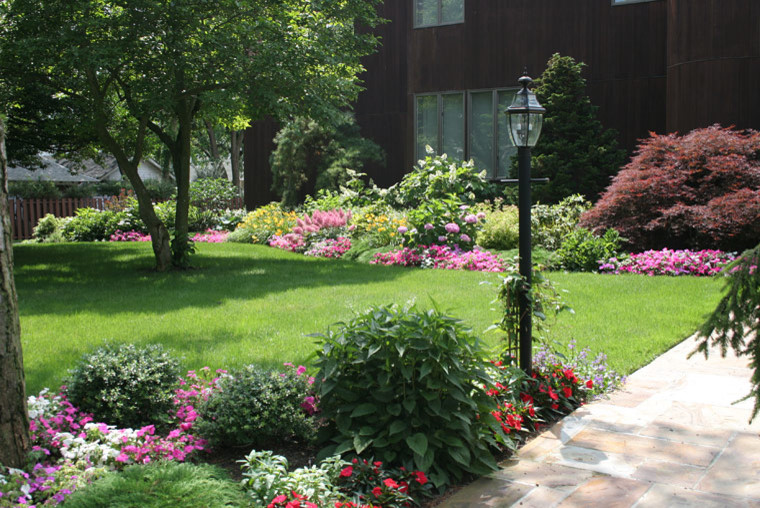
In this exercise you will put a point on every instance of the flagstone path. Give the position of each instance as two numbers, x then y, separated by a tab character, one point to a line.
670	438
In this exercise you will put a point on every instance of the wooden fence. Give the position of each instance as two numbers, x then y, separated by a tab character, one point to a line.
25	213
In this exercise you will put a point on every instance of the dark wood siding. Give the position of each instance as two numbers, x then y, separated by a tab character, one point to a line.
713	64
257	147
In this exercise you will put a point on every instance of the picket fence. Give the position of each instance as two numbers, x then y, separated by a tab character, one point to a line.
25	213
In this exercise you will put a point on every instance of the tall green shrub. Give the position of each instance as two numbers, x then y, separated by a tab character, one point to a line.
310	156
575	152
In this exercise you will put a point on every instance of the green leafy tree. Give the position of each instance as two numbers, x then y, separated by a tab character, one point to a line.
313	155
575	152
131	71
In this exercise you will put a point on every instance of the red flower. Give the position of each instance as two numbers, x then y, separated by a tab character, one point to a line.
279	499
590	383
378	464
377	491
553	395
567	391
346	472
555	406
421	478
404	487
525	397
390	483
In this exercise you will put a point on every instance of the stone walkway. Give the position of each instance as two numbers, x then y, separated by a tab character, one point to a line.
671	437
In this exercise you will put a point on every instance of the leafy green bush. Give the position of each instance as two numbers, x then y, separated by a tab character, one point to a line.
254	407
266	476
443	222
49	229
212	193
500	231
125	385
84	190
89	225
161	484
358	191
263	223
437	177
581	250
44	189
550	224
406	386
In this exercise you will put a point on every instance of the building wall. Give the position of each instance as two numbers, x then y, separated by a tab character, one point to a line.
658	66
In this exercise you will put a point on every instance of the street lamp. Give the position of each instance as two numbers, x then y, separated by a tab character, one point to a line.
525	118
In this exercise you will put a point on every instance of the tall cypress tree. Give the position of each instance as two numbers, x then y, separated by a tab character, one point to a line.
575	152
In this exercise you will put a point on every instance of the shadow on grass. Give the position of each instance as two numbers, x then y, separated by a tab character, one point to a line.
107	278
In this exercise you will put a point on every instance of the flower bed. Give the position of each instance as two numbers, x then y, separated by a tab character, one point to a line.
670	262
442	257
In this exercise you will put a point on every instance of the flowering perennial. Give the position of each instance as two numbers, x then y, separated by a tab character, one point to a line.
670	262
329	247
211	236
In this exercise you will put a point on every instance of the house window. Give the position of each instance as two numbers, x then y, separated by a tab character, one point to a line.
438	12
623	2
474	130
440	124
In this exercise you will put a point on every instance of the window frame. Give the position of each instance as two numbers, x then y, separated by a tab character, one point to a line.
439	11
439	117
617	3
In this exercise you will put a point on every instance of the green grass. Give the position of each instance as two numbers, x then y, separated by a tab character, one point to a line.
253	304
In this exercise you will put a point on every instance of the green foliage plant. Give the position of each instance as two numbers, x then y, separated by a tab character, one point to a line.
436	177
125	385
263	223
551	224
312	156
500	229
582	250
212	194
735	322
39	189
48	229
90	224
576	153
161	484
266	476
254	407
544	301
406	386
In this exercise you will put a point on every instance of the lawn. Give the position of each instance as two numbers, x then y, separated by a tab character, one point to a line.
253	304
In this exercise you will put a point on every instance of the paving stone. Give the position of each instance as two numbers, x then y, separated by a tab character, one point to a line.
673	431
737	470
607	492
542	497
678	475
487	491
660	496
539	447
715	390
705	415
606	463
630	398
537	474
641	446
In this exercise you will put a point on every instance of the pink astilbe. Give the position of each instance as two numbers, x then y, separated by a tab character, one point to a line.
321	220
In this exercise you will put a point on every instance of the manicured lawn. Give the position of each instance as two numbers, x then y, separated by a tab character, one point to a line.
253	304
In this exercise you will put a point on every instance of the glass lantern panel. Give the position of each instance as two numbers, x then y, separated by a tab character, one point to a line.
536	122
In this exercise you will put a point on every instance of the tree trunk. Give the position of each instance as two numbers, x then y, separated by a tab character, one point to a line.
218	165
14	418
236	142
181	248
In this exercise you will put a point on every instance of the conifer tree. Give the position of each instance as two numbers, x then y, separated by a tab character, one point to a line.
575	152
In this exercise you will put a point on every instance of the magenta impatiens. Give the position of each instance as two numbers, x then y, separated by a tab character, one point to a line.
670	262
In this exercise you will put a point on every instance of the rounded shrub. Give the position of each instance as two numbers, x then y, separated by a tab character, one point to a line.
125	385
162	484
500	231
255	407
405	386
582	251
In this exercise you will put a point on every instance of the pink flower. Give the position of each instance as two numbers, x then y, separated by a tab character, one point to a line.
471	219
402	230
300	370
428	226
122	457
451	227
346	472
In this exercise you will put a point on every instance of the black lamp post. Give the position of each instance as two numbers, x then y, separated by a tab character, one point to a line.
525	117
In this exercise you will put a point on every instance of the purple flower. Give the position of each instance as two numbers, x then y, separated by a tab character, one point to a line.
464	238
471	219
402	229
442	239
428	226
452	228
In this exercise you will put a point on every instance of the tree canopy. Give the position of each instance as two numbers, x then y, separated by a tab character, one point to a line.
126	72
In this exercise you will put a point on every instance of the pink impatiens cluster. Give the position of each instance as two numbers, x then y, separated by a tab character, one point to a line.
442	257
129	236
211	236
670	262
329	248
